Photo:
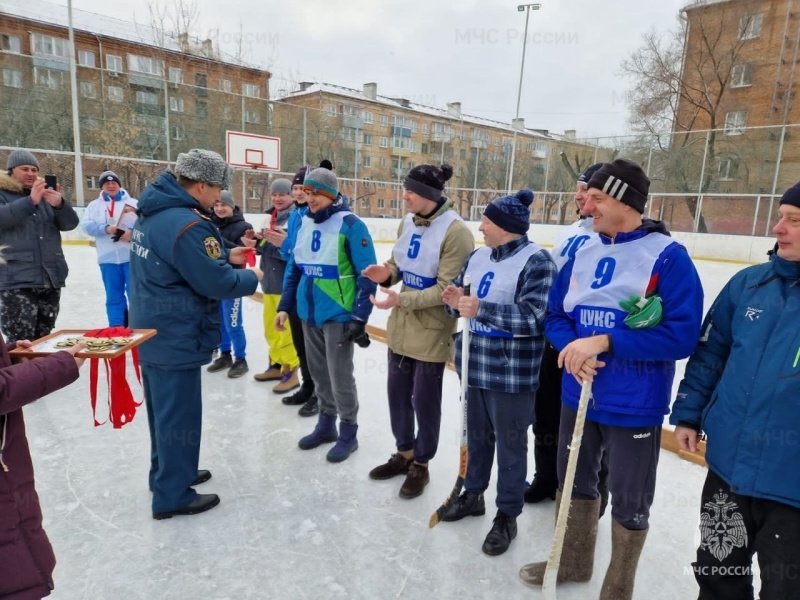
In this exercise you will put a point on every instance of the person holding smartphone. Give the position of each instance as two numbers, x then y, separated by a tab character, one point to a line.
32	217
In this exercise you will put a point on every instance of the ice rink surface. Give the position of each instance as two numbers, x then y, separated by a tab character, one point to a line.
290	524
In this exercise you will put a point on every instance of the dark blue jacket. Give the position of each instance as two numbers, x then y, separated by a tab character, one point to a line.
634	389
179	271
742	384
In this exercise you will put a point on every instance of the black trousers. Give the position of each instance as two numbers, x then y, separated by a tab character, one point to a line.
29	313
732	529
300	345
547	417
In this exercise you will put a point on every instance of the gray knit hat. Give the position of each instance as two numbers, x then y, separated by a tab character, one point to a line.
204	166
281	186
21	157
322	181
227	198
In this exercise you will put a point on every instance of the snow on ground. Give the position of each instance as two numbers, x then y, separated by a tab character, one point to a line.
292	525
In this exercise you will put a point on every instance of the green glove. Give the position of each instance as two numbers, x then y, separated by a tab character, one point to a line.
642	312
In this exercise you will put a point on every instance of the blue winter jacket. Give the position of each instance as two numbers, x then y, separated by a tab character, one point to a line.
635	387
179	271
742	384
320	300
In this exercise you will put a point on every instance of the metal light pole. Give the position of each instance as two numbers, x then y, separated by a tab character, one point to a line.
520	8
76	120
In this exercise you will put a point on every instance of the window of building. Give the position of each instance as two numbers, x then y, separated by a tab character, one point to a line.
728	168
177	132
225	85
331	108
86	58
176	104
395	204
462	154
367	139
252	116
742	75
89	149
175	75
383	161
367	161
146	65
200	80
88	89
750	26
384	142
364	203
410	165
201	109
91	182
47	45
115	94
381	203
426	128
735	122
414	146
48	77
143	97
113	63
11	43
384	120
251	90
12	78
368	117
424	149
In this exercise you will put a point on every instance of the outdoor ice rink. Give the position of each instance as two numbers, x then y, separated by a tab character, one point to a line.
291	525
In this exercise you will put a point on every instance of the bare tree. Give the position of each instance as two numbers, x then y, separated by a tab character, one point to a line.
680	82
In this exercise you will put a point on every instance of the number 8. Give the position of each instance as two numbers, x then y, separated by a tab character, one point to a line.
316	240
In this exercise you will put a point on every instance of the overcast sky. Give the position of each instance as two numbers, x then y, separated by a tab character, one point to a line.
439	51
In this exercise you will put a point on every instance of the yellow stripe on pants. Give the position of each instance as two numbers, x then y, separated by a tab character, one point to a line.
281	346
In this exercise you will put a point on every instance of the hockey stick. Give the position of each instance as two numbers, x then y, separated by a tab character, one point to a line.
554	560
462	463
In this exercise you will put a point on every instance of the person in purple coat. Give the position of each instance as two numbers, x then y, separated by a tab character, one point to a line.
26	556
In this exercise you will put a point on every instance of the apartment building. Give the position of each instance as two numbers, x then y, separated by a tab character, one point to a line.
377	139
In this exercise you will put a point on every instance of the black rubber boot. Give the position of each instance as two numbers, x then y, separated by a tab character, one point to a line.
224	361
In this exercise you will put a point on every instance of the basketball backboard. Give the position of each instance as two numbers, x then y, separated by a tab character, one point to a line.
251	151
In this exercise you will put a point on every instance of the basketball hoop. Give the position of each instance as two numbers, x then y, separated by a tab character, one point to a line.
253	152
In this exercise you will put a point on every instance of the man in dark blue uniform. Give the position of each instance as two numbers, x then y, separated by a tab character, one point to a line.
180	269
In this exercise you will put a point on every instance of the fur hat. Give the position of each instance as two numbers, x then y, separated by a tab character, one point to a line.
281	186
511	213
204	166
21	157
428	180
322	181
624	180
107	176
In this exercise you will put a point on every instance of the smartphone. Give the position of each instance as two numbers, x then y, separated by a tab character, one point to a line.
51	181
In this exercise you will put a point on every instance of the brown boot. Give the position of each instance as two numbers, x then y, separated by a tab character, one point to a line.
289	381
272	374
626	547
396	465
416	480
577	555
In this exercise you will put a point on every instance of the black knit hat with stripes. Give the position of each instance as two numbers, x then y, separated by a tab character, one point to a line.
624	180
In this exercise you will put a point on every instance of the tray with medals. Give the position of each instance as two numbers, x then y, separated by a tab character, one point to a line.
96	347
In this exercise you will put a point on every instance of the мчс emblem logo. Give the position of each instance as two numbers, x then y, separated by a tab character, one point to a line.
211	244
721	528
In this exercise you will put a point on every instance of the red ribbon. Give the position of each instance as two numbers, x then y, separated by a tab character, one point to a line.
121	404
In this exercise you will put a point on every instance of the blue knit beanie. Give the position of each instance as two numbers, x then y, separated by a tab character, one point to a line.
792	195
511	213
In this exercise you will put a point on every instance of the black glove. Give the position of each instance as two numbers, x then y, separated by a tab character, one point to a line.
356	332
118	234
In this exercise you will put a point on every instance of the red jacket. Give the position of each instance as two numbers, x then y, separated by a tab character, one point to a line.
26	557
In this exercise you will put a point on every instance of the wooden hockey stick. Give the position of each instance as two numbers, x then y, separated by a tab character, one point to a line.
554	560
462	463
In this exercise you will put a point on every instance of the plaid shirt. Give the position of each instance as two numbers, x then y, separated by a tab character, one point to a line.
510	365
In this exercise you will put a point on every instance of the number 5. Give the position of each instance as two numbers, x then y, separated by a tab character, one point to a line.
413	246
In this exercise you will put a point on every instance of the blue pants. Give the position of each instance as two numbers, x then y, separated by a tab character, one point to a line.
502	420
174	414
117	281
232	327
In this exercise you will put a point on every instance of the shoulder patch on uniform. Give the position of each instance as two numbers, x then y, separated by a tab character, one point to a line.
211	244
364	243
